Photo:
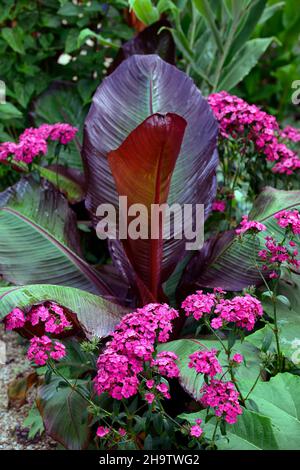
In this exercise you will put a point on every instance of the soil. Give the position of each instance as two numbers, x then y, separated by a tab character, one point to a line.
13	434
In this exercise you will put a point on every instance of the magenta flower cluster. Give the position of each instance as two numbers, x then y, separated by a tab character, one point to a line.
290	133
244	311
132	351
51	315
205	362
289	220
277	253
43	348
251	226
33	142
53	318
241	120
219	205
219	395
223	397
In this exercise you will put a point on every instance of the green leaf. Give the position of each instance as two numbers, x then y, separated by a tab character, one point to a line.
67	181
207	12
34	422
242	62
252	431
9	111
247	25
65	414
144	10
192	382
14	38
279	400
288	322
97	316
87	33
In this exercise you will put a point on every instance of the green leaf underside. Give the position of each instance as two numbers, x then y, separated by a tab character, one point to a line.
97	316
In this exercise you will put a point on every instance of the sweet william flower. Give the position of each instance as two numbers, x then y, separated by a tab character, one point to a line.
43	348
205	362
15	319
196	431
132	346
238	358
219	206
199	304
149	397
250	226
246	122
33	142
244	311
102	431
289	220
223	398
165	361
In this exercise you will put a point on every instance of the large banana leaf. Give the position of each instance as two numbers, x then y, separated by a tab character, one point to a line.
142	168
96	315
140	87
39	240
228	263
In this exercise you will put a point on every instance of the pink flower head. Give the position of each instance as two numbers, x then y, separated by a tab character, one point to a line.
246	122
33	141
219	206
196	431
238	358
132	347
290	133
250	225
275	254
102	431
199	304
122	432
165	361
223	397
15	319
7	149
242	310
216	323
52	315
205	362
41	349
149	397
163	389
289	220
150	384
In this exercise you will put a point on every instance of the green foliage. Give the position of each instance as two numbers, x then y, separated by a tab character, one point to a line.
45	41
34	422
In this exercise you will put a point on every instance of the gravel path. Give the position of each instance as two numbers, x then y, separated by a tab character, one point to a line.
13	435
